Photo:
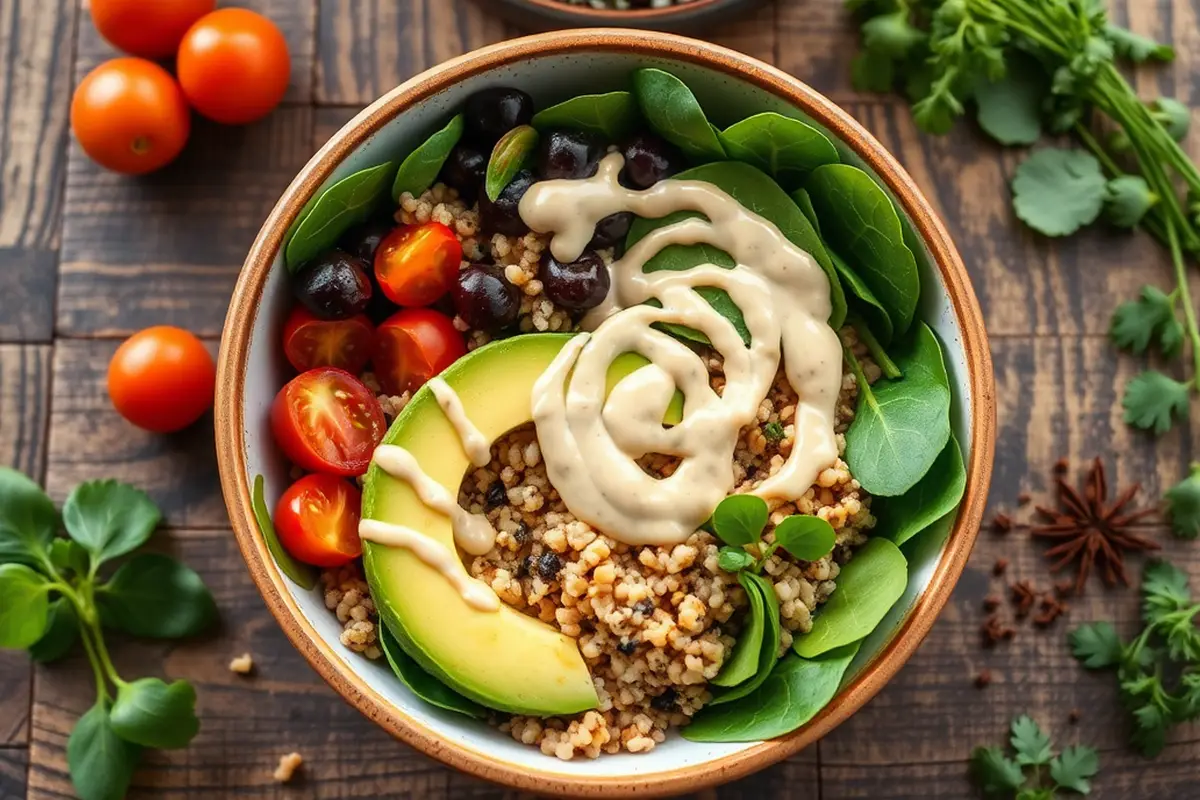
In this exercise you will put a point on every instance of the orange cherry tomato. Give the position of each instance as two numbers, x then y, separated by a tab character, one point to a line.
343	343
412	346
317	520
162	379
130	116
233	65
327	420
147	28
416	264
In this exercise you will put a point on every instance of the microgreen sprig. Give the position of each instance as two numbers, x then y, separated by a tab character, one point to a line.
739	521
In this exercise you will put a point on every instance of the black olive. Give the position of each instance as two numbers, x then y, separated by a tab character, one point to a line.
465	170
334	285
577	285
485	299
504	215
611	231
569	155
648	160
548	566
491	113
496	495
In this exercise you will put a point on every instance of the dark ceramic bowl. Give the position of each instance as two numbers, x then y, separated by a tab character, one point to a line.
688	16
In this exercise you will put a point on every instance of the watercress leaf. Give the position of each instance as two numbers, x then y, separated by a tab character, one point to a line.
742	665
1056	192
805	537
337	209
732	559
1135	47
1153	401
891	34
24	606
1073	767
785	148
933	497
612	116
1010	109
861	224
867	588
420	168
156	596
1173	115
301	574
1097	646
421	683
28	519
739	519
1136	323
768	654
1183	505
109	518
153	713
1127	200
872	72
68	554
101	763
673	112
794	692
514	150
1031	744
994	773
62	631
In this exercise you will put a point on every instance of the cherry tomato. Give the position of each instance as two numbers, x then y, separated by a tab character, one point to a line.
317	520
233	65
311	342
130	116
416	264
412	346
162	379
326	420
147	28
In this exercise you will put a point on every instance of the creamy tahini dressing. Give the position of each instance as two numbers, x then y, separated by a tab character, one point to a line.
475	444
475	592
590	446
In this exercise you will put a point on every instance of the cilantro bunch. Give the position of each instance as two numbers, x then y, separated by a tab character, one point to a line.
1159	671
57	592
999	776
1033	67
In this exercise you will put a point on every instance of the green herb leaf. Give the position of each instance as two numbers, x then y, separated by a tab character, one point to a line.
153	713
421	683
1010	109
732	559
28	518
1173	115
337	209
24	606
867	588
1164	590
1136	323
805	537
1183	505
934	496
1150	731
514	150
62	631
1031	744
768	653
773	432
301	574
1152	401
673	112
994	773
891	34
69	555
101	763
420	168
1056	192
1135	47
742	665
156	596
739	519
1072	769
109	518
612	116
1127	200
872	72
1097	645
787	149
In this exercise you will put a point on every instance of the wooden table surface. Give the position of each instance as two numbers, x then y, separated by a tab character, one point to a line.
87	257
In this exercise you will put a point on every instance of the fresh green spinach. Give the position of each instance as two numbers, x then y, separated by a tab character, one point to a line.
302	575
420	168
421	683
673	112
343	205
783	147
613	115
743	664
768	652
511	153
933	497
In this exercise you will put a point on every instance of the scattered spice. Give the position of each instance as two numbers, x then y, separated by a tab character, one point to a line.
991	603
1002	523
1064	587
1023	597
1000	566
1074	716
287	767
993	631
983	679
1051	608
1062	465
1091	531
242	665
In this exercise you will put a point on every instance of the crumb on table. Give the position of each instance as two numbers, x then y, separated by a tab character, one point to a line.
242	665
287	767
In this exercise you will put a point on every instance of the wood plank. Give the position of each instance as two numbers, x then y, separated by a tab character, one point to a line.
35	70
89	440
13	765
816	42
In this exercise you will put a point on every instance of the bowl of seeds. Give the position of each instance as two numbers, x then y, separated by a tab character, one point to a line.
667	15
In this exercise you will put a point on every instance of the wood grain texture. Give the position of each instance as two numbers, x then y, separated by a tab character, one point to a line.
13	765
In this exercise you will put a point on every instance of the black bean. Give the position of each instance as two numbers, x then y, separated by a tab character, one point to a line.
496	494
644	607
548	566
666	700
527	566
627	646
521	534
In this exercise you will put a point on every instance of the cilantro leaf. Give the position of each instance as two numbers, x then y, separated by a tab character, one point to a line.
872	72
1135	47
1128	199
1031	744
1056	192
1072	769
1149	318
994	773
1183	505
1152	401
1097	645
1164	590
891	34
1150	730
1010	108
1174	116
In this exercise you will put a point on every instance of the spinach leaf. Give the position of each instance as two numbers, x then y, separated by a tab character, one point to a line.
109	518
769	652
154	595
784	148
867	588
860	222
743	664
24	606
806	537
153	713
612	116
739	519
101	763
421	683
933	497
62	631
28	518
795	692
420	169
301	574
672	112
901	426
511	153
338	208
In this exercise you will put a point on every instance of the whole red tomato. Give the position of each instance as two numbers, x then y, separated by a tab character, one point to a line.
317	521
162	379
233	65
412	346
147	28
415	265
130	116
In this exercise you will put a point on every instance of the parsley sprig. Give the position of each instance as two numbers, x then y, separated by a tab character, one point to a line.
999	775
1159	671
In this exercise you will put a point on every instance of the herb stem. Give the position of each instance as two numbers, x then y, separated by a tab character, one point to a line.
1189	313
867	337
864	386
85	634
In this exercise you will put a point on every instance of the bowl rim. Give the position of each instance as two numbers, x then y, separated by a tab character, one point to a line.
689	16
230	431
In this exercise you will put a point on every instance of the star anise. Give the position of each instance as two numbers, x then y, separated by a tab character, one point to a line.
1090	531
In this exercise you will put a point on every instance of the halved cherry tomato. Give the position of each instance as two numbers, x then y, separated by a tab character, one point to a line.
147	29
416	264
412	346
326	420
162	379
343	343
317	520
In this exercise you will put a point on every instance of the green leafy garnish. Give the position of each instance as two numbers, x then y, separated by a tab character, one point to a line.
997	775
421	683
1183	505
1153	400
420	168
768	650
742	665
785	148
1058	191
613	115
1136	47
1174	116
806	538
335	210
1151	318
1128	199
773	432
302	574
514	150
673	112
739	519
